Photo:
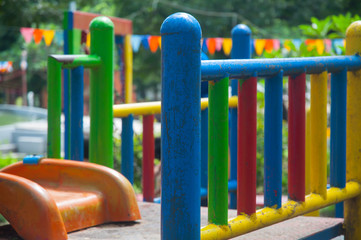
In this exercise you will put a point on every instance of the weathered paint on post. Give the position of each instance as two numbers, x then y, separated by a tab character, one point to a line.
54	107
273	141
181	61
318	149
148	158
127	148
76	114
101	93
241	49
338	133
353	136
296	137
218	152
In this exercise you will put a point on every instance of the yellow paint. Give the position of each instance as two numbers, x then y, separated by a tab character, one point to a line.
128	59
318	147
267	216
147	108
353	136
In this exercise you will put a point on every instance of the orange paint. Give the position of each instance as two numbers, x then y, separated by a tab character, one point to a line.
47	200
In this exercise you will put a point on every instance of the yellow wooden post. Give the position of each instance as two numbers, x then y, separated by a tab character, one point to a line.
128	56
318	147
353	133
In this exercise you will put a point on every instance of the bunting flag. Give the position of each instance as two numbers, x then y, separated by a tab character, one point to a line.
211	45
259	45
320	47
287	44
153	43
145	42
227	46
160	42
328	44
338	45
6	66
311	44
219	42
135	40
87	43
59	37
276	44
48	36
297	43
38	35
27	34
268	45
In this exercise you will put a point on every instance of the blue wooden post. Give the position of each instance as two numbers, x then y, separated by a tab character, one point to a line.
181	127
338	133
241	49
273	141
76	114
127	148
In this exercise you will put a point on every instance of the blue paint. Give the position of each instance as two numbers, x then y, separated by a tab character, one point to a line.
338	133
241	49
32	159
127	148
76	114
273	141
218	69
181	127
328	233
232	187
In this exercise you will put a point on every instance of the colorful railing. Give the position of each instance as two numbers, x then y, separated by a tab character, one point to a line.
182	71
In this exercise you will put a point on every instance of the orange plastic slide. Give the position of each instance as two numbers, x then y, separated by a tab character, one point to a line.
47	199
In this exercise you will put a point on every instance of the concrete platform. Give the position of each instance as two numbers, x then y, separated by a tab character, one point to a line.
149	228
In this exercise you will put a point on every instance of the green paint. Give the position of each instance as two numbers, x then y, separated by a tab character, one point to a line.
241	81
218	152
54	107
87	61
101	93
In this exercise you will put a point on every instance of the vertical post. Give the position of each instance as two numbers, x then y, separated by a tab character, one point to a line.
76	114
148	158
181	74
338	133
273	141
204	140
296	137
127	148
246	131
353	136
218	152
128	59
319	134
101	93
54	107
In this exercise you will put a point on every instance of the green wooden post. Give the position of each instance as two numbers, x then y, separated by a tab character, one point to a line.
101	92
218	152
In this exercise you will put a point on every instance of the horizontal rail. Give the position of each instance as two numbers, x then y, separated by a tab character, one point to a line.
267	216
148	108
73	61
218	69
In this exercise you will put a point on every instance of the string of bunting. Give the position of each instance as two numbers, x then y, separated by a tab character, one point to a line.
209	45
6	66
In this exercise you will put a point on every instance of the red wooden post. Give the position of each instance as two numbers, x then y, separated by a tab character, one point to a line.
296	137
148	158
247	146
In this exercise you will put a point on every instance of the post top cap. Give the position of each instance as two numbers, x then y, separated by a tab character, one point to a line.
101	23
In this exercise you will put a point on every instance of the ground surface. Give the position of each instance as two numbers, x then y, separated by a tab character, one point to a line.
149	228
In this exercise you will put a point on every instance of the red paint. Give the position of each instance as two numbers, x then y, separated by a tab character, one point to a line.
247	146
148	158
296	137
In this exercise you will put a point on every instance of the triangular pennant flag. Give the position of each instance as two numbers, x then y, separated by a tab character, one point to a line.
227	46
276	44
27	34
259	46
38	35
337	45
135	41
10	66
286	44
211	45
48	36
153	43
297	43
219	42
269	45
320	47
87	43
311	44
328	44
145	42
59	37
204	45
160	42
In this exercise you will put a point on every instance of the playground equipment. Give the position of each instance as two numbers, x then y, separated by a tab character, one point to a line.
46	198
181	157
